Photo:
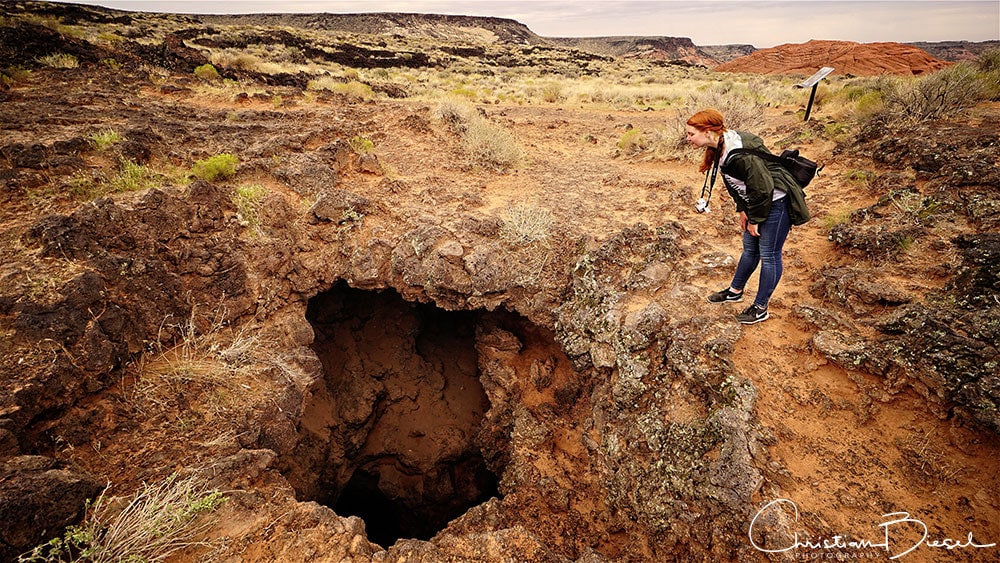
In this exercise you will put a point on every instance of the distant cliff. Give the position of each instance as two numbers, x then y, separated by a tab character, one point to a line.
846	57
675	49
478	31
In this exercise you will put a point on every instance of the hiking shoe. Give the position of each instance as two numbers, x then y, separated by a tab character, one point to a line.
725	296
754	314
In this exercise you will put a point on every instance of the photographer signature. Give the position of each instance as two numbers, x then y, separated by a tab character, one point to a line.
896	549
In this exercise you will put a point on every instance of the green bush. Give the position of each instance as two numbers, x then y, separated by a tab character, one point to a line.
218	167
14	74
633	142
361	144
352	88
104	139
207	72
988	73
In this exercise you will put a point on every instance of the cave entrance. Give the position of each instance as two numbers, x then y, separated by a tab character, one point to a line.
391	434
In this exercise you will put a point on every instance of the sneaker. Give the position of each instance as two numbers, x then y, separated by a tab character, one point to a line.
754	314
725	296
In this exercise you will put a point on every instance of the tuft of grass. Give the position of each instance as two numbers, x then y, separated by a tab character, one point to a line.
633	142
247	200
552	92
361	144
83	185
104	139
904	102
218	167
491	146
152	524
14	74
455	113
133	177
486	143
862	178
351	88
838	217
207	72
59	60
522	223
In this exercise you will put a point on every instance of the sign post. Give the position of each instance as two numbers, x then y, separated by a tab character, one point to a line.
814	82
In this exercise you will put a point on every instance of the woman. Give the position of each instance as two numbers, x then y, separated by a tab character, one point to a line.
761	190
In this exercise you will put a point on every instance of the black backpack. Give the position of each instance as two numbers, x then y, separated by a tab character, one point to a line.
801	168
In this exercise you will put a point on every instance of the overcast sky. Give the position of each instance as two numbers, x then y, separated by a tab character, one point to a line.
706	22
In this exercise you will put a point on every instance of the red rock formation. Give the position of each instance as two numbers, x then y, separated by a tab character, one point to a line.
846	57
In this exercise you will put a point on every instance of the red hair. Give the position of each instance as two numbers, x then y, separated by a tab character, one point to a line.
708	120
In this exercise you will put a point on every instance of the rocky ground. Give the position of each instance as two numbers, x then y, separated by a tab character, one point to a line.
371	371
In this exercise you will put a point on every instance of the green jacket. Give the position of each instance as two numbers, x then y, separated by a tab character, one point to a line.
751	180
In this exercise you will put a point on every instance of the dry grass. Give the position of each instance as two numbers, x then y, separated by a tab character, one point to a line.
523	223
925	459
152	524
217	359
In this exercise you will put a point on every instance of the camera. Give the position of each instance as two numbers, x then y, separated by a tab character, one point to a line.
702	205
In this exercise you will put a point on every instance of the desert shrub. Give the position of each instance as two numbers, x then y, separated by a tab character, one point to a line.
240	60
207	72
14	74
860	178
229	88
104	139
552	92
152	524
111	63
633	142
524	223
247	200
109	37
910	101
218	167
82	185
463	92
361	144
740	107
869	104
988	73
59	60
455	113
838	217
491	146
325	82
132	177
352	88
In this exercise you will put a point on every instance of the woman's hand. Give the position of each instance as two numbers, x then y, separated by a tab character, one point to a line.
747	226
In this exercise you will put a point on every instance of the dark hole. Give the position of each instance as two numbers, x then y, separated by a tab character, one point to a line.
390	435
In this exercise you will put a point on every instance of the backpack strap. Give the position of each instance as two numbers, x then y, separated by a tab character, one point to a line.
762	154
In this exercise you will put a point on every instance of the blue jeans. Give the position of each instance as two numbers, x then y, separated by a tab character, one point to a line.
766	251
